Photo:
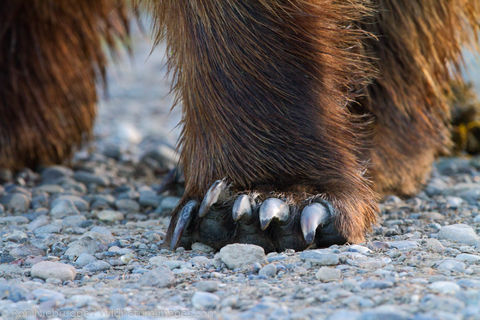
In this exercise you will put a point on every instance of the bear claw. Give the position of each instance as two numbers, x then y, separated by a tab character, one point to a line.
272	223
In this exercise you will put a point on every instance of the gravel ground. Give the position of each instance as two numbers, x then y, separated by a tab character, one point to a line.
84	241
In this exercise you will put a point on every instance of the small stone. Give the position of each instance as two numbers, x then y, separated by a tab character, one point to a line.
404	245
64	208
359	249
12	292
460	233
376	284
167	205
38	222
79	203
240	255
207	286
449	265
81	300
43	295
117	302
149	198
127	205
49	188
200	247
84	259
344	315
157	260
384	313
56	172
326	274
74	221
46	230
110	215
97	266
57	270
202	261
204	300
454	202
434	245
444	287
320	257
88	177
16	236
83	245
159	277
17	202
467	257
269	271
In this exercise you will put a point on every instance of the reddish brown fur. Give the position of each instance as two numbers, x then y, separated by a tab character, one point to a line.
50	54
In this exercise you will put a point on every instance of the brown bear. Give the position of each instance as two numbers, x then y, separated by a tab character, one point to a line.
297	114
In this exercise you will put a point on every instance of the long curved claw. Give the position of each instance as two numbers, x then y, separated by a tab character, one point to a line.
212	196
242	208
273	209
185	216
313	215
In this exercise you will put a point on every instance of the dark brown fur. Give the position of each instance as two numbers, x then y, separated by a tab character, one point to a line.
51	53
303	97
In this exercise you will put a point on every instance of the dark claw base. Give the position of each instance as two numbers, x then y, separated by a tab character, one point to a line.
272	222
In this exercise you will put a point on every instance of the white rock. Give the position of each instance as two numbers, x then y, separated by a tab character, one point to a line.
239	255
56	270
444	287
205	300
110	215
460	233
326	274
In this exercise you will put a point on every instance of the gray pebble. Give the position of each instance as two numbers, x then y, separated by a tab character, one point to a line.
269	271
13	220
240	255
64	208
110	215
16	236
204	300
88	177
404	245
45	230
449	265
17	202
207	286
81	300
12	292
200	247
159	277
57	270
460	233
376	284
127	205
384	313
167	205
79	203
434	245
444	287
83	245
84	259
49	188
74	221
97	266
344	315
467	257
320	257
326	274
149	198
56	172
117	302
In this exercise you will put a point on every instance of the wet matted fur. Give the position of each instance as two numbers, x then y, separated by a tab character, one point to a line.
51	53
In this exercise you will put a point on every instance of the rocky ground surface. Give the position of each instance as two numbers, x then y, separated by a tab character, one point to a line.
84	240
